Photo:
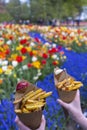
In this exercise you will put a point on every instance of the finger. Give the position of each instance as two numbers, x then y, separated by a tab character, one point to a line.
16	119
43	123
20	124
77	94
65	105
43	120
77	97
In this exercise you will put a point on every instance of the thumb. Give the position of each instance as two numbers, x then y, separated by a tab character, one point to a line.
20	125
65	105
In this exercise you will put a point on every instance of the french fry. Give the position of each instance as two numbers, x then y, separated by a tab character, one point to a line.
31	101
29	93
24	110
32	94
77	82
46	95
75	87
64	81
69	84
60	85
17	101
34	101
64	89
38	95
18	110
34	106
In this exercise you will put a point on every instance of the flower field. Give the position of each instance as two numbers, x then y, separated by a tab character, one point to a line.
32	52
71	38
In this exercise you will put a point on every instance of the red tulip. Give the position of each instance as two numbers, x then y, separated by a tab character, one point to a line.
29	65
7	52
23	41
19	59
54	63
45	56
23	50
43	62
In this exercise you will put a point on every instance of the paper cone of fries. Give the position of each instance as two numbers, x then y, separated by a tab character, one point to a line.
66	85
29	103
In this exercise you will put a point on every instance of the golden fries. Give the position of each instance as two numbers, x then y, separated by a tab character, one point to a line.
32	101
69	84
17	101
18	111
31	94
46	95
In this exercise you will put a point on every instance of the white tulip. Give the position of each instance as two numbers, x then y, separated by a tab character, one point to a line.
32	44
35	78
14	63
72	34
34	59
47	44
9	42
5	62
54	56
4	68
0	61
23	37
39	74
24	67
19	38
54	45
64	34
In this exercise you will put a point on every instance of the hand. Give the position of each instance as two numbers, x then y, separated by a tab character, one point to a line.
23	127
74	108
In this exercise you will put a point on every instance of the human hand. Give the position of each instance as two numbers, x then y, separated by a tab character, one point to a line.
23	127
73	108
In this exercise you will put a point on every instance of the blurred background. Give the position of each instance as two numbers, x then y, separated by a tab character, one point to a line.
57	31
48	12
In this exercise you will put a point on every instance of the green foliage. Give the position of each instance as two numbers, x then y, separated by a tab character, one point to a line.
25	11
44	9
14	9
79	49
5	17
55	8
18	10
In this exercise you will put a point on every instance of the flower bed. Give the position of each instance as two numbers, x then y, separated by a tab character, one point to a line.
71	38
23	57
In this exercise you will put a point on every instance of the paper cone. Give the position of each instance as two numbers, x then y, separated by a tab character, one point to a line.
66	96
33	119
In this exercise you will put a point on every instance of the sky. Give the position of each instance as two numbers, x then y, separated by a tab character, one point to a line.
23	0
20	0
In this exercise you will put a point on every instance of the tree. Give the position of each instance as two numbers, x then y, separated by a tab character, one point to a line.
25	11
19	11
44	9
14	8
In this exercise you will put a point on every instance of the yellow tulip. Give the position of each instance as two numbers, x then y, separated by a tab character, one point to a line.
1	71
36	64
